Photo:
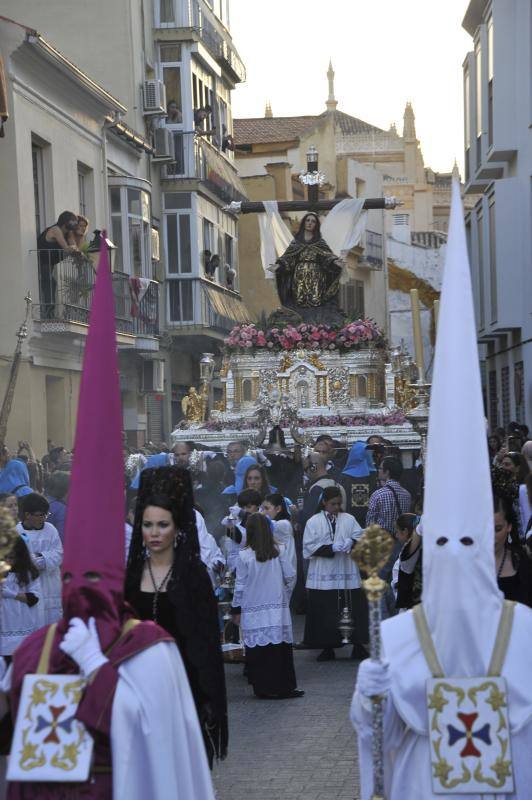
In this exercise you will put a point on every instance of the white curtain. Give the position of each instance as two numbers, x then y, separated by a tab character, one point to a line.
274	237
343	227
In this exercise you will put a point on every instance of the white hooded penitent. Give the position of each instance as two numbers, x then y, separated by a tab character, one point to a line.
459	578
461	600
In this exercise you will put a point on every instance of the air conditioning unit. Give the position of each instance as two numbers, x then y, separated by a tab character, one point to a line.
154	97
163	141
153	376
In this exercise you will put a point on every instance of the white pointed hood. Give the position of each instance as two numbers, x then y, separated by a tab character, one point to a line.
460	595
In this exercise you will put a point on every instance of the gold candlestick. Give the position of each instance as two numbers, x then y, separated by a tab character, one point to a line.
418	338
371	553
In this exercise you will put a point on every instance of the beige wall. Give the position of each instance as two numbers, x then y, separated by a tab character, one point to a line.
97	37
44	406
259	294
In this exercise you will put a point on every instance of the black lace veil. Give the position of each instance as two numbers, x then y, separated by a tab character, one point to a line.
190	592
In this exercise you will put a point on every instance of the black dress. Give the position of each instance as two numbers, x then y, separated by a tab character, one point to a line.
142	602
49	254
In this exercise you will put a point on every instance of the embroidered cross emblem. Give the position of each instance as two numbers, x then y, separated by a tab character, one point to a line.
53	724
468	720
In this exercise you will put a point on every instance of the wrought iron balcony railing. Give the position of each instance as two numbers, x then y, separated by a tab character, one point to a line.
66	283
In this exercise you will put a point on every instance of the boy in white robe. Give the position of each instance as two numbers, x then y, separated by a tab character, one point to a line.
44	543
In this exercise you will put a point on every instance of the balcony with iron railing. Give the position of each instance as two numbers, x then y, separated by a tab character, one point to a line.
194	304
193	16
66	284
197	159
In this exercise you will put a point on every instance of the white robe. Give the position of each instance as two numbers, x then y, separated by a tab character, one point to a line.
262	591
157	746
47	542
284	534
406	745
17	619
339	572
210	553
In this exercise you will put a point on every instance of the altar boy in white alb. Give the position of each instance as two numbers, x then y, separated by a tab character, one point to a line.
458	708
333	580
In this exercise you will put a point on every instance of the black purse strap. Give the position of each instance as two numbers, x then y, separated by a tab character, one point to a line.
397	503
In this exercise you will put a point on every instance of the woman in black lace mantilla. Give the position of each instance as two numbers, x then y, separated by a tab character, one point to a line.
182	601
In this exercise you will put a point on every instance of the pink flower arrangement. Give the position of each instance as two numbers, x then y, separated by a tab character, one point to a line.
306	336
360	421
393	418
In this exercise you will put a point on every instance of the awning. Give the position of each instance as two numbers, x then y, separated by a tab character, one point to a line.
231	309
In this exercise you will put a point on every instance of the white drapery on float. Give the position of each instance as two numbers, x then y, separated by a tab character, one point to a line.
342	229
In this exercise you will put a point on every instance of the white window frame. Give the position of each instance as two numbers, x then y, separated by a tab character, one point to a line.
39	193
181	277
123	184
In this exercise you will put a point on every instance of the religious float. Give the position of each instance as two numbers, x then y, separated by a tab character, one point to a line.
308	370
308	380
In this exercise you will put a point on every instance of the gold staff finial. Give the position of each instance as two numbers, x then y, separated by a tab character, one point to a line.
371	554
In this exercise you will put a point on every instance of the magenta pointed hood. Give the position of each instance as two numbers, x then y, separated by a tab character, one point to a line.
94	531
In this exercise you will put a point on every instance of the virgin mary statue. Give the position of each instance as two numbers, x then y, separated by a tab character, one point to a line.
308	275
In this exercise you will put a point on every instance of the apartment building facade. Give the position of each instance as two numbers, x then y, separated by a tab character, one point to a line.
498	171
165	60
61	149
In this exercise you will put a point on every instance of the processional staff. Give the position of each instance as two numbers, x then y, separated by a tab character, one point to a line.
371	553
7	402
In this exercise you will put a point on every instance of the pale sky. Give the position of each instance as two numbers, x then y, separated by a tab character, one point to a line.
384	53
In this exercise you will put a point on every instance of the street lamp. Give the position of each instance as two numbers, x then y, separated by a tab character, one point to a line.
312	159
206	365
94	248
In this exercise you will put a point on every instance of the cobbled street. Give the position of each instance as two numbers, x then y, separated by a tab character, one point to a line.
292	749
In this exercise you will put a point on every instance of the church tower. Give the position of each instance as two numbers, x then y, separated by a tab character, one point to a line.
412	155
409	122
268	109
331	101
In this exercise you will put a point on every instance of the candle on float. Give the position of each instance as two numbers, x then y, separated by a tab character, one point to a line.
418	339
436	309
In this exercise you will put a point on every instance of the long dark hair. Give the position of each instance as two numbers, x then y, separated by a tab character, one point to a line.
407	522
300	235
504	505
266	488
276	499
519	461
22	565
260	538
190	592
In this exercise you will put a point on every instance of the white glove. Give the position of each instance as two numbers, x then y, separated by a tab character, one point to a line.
373	678
342	546
82	644
7	592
